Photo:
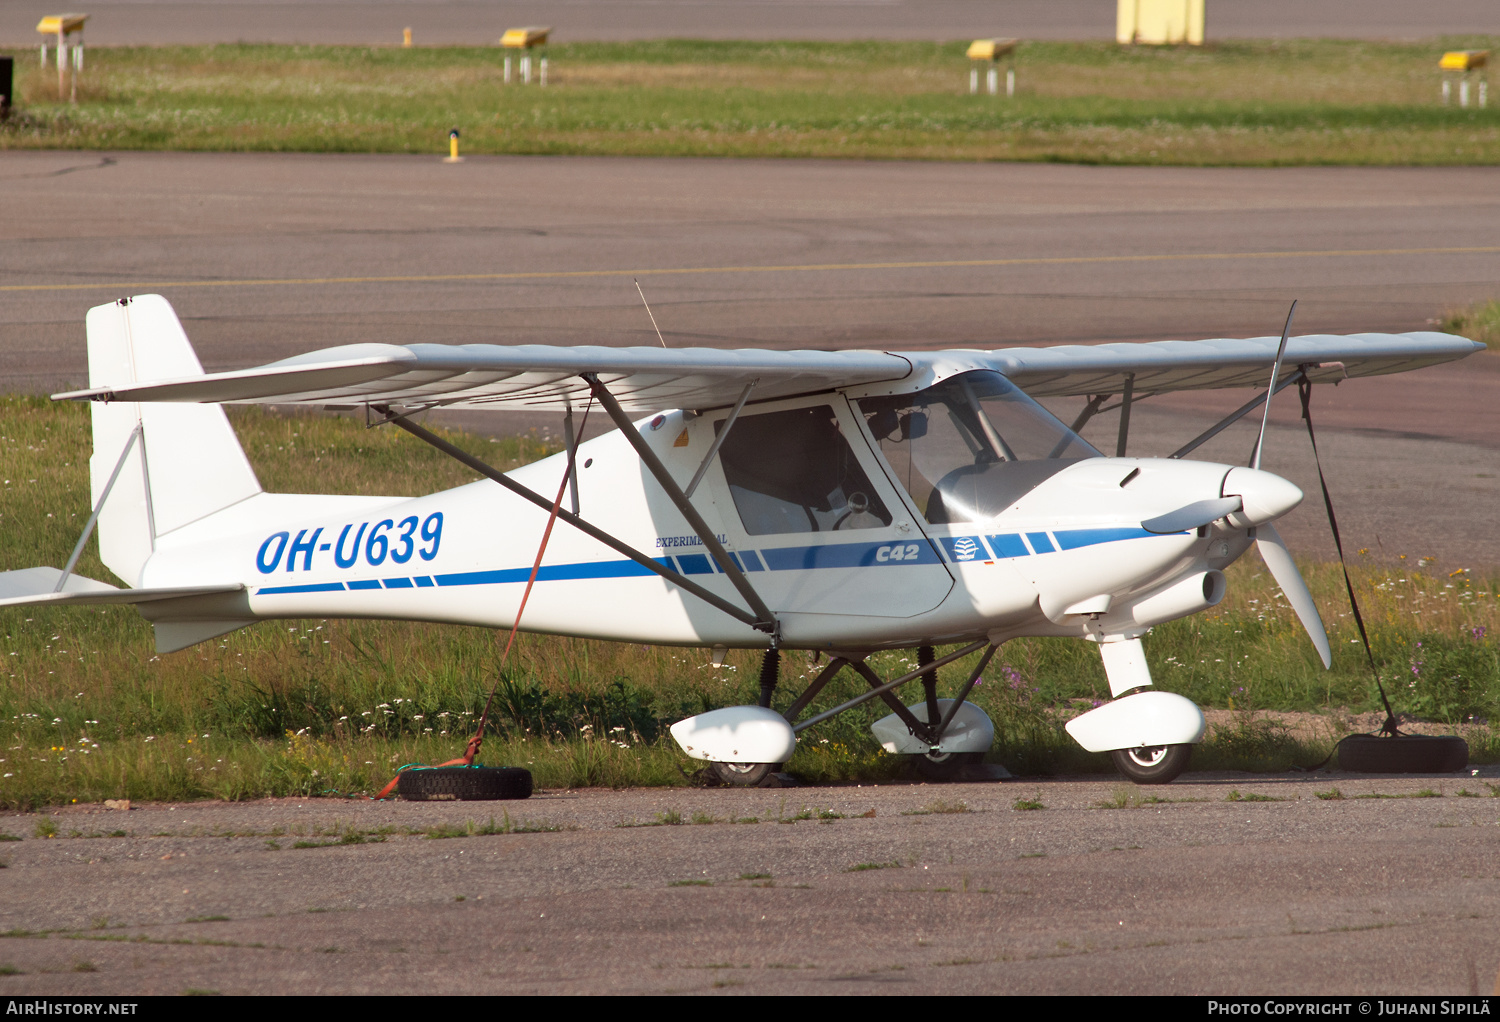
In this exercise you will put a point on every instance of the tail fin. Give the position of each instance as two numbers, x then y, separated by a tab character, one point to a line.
187	462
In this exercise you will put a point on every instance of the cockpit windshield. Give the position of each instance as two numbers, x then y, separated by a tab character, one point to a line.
972	446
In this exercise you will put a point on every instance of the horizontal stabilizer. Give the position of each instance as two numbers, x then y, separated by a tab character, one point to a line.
36	586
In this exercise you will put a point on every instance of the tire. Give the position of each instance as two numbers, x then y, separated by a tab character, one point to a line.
943	766
1156	764
463	784
743	775
1403	754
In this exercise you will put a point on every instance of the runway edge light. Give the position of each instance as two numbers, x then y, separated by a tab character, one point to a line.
453	156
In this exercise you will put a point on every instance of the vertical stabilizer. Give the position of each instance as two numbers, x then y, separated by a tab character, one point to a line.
187	463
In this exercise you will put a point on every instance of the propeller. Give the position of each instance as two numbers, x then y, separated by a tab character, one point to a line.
1284	570
1269	542
1265	417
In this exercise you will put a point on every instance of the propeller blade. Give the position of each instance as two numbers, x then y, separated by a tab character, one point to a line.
1200	512
1265	418
1284	570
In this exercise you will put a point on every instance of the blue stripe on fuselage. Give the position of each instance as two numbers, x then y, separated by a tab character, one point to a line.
799	558
1075	538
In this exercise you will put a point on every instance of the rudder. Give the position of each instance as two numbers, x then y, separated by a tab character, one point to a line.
186	463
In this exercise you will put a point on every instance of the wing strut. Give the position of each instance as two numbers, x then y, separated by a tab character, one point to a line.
572	443
88	528
1236	415
713	448
399	419
1125	400
766	621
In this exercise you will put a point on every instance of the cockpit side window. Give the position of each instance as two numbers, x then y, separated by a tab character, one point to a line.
971	446
793	471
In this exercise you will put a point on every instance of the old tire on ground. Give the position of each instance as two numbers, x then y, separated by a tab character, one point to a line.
463	784
1156	764
743	775
1403	754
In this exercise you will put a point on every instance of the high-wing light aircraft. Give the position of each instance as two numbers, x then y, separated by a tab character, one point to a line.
840	501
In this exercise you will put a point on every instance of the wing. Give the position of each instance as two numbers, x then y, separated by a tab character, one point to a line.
520	377
534	376
1161	366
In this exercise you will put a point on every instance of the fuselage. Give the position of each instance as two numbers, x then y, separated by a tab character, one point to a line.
1066	555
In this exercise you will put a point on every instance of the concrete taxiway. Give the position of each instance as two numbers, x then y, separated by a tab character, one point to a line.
1225	884
266	256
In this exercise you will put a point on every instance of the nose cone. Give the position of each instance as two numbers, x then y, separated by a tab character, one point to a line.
1266	497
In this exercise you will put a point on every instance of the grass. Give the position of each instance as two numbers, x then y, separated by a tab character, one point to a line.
1477	322
1233	102
333	708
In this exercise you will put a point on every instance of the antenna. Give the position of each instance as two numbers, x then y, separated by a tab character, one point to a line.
648	310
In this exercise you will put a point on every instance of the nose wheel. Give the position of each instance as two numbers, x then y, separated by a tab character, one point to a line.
1153	764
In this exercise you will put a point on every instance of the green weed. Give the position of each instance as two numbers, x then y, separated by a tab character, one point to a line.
1478	322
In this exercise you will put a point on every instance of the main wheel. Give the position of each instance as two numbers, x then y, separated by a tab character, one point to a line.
943	766
744	775
463	784
1153	764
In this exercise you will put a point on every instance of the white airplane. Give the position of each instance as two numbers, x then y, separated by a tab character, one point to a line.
839	501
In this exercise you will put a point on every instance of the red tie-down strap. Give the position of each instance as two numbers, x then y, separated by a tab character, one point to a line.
467	759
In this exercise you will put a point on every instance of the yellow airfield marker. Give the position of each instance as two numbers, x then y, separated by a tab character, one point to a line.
526	39
1466	62
453	156
63	26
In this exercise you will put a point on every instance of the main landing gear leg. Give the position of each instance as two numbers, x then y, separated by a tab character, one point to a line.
937	766
770	671
749	775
